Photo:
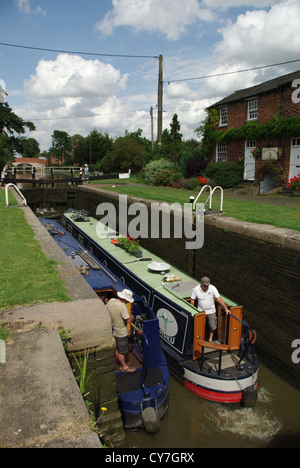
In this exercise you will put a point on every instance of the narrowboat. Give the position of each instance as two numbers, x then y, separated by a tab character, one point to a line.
143	394
223	371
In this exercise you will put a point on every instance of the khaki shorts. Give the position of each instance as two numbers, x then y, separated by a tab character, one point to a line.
212	321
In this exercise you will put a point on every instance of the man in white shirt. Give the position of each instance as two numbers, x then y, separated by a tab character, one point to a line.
206	295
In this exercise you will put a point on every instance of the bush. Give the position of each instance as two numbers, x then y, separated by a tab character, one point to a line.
167	177
190	184
225	174
154	167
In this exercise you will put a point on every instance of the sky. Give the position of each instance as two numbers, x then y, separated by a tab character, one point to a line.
101	71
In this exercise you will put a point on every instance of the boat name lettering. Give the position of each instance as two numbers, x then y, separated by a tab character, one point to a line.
167	338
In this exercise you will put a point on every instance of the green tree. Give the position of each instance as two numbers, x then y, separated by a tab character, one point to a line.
126	154
175	136
93	148
61	143
30	148
11	125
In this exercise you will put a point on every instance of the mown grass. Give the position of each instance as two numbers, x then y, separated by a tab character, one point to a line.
27	276
287	216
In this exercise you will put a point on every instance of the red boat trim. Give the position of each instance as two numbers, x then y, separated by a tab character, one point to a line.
213	395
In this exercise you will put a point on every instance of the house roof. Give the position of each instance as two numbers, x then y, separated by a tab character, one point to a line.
258	89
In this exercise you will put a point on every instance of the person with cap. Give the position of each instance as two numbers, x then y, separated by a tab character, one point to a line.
120	319
206	295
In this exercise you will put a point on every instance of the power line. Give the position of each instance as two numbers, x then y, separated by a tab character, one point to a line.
233	72
78	53
86	116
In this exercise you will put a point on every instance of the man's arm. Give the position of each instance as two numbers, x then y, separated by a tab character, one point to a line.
222	304
130	320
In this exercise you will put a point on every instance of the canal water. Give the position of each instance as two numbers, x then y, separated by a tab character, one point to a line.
192	422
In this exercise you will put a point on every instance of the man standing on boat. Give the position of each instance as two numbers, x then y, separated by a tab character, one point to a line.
120	319
206	295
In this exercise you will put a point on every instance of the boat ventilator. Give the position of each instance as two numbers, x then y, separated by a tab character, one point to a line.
211	193
7	186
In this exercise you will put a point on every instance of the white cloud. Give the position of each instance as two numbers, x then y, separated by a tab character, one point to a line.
224	4
81	94
155	16
25	7
72	76
263	37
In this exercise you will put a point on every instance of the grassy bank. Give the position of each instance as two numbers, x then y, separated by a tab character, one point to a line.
253	211
27	276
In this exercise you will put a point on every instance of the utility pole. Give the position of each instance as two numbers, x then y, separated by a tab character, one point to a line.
152	130
160	101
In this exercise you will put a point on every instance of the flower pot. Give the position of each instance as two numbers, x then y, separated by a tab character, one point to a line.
138	254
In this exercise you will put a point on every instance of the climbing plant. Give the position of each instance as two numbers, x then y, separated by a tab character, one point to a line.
275	128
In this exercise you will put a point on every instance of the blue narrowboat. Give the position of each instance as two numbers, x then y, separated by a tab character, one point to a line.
223	371
143	394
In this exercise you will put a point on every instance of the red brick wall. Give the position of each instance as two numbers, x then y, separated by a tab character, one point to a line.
277	102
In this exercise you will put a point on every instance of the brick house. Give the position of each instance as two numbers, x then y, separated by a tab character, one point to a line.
261	123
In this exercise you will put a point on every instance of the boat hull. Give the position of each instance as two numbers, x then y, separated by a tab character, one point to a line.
221	391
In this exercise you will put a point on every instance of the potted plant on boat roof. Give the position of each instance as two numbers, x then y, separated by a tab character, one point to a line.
131	245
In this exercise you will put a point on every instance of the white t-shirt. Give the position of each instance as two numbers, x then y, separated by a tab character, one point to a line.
206	300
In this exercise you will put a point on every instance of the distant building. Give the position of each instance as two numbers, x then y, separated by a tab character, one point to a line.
29	163
279	97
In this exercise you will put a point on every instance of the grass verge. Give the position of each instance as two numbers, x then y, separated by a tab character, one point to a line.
27	276
287	216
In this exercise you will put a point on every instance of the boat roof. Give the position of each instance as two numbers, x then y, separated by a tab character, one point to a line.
174	291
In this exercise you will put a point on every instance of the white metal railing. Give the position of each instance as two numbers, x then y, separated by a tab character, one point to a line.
7	186
211	193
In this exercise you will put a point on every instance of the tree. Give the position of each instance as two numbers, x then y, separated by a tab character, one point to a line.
173	140
93	148
175	136
61	143
30	148
10	125
126	154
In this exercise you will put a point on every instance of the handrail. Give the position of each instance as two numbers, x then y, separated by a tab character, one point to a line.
7	186
200	193
251	341
211	345
211	193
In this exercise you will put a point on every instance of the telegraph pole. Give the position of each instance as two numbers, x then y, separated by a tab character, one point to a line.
160	101
152	130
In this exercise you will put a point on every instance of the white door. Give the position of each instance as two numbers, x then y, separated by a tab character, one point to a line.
249	168
295	158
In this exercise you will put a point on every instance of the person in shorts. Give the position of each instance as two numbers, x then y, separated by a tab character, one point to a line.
120	319
206	295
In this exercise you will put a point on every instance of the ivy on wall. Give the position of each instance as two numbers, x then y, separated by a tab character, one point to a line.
276	127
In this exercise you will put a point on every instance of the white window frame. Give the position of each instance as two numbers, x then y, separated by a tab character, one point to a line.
252	113
223	117
221	152
295	142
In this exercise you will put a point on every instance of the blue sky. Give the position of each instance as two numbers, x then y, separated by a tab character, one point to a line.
78	93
